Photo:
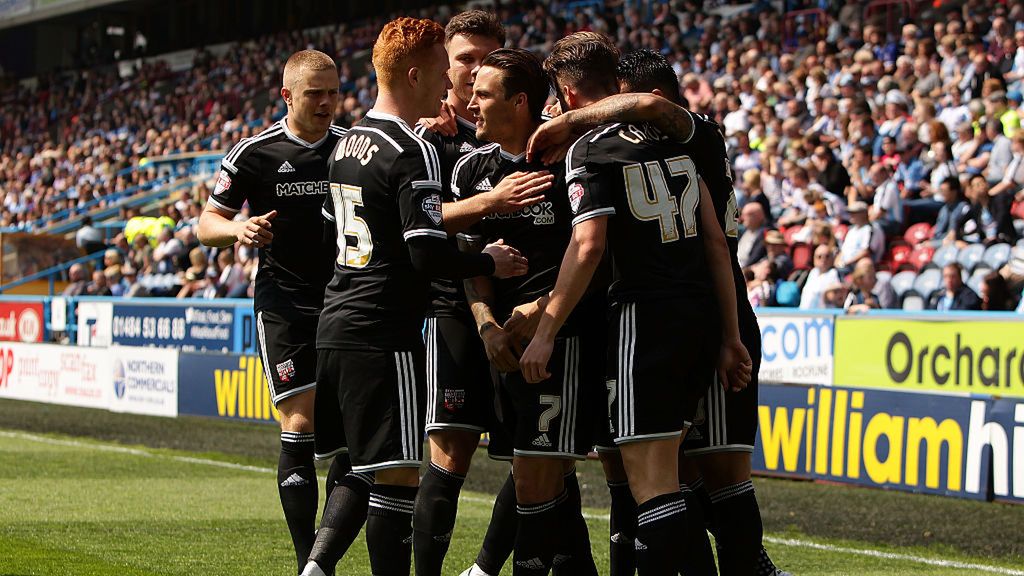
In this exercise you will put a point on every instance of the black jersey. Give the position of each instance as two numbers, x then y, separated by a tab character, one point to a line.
385	189
709	153
540	232
277	170
447	297
649	184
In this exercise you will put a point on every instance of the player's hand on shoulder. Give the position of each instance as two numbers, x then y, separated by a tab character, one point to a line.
502	349
522	324
534	361
519	190
553	110
256	230
508	262
735	367
551	141
444	123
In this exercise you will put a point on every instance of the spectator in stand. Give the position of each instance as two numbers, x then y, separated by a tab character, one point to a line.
988	220
834	296
115	282
88	237
78	276
955	295
98	286
778	253
995	294
167	251
868	293
886	209
994	153
751	249
954	210
832	176
863	240
1013	178
232	281
754	193
820	277
195	278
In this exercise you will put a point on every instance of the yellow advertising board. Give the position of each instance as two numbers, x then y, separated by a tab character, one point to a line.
950	356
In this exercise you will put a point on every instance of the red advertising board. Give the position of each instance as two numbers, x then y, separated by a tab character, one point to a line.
21	321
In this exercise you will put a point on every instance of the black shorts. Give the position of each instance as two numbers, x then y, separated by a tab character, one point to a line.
727	421
460	391
659	355
287	346
374	402
548	419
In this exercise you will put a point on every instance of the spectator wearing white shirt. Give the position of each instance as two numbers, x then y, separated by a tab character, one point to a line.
868	293
820	277
863	239
886	209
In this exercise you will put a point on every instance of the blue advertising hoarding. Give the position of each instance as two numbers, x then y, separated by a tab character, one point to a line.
231	386
191	327
927	443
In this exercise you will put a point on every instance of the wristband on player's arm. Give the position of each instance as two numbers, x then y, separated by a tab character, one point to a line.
438	258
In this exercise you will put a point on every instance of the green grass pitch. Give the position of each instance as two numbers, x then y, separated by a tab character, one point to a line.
88	507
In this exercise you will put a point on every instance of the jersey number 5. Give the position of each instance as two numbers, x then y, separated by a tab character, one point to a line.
346	198
662	205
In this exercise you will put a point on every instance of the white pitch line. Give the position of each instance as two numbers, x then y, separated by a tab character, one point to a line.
602	517
893	556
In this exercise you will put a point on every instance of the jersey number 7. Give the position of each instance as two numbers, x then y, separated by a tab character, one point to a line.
346	198
663	206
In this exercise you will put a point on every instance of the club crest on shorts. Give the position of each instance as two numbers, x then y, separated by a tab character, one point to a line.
454	399
286	370
432	208
575	196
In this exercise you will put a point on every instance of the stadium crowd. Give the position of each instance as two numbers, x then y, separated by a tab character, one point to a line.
875	166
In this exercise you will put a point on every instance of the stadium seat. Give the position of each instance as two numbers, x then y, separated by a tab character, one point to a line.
883	276
945	255
913	301
970	256
787	294
899	255
903	281
918	233
802	255
928	281
921	256
788	233
996	256
974	282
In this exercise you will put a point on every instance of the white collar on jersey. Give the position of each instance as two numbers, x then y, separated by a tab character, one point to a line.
467	123
291	136
510	156
384	116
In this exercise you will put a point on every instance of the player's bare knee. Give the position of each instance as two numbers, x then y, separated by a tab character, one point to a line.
537	480
297	412
398	477
611	462
721	469
453	450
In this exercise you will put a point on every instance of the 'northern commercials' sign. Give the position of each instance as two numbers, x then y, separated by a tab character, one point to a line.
796	349
144	381
949	356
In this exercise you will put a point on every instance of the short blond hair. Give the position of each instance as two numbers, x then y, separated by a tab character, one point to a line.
314	60
400	40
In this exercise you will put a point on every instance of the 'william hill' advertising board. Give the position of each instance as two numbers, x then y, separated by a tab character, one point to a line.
228	386
915	442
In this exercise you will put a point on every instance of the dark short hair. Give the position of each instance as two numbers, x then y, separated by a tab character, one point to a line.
646	70
475	23
587	61
522	72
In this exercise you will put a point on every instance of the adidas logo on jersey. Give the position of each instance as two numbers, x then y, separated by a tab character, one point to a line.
640	545
531	564
466	147
286	167
542	441
484	185
294	480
